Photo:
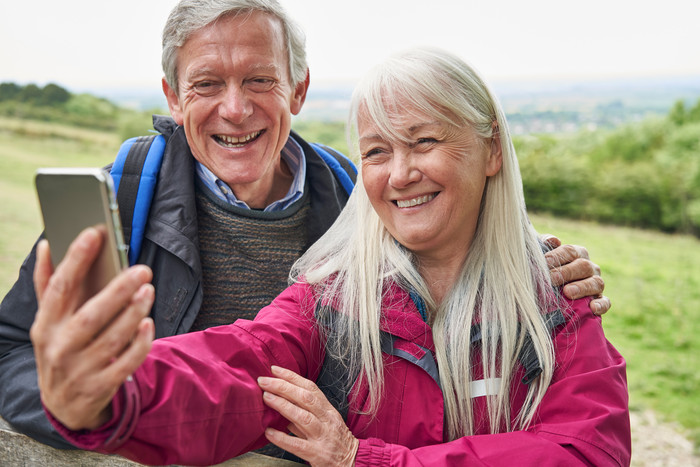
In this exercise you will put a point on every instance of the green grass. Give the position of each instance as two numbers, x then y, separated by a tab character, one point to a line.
24	147
652	279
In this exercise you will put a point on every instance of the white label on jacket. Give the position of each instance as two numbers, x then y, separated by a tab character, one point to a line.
484	387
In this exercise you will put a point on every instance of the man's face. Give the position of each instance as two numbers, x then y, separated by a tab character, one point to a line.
235	102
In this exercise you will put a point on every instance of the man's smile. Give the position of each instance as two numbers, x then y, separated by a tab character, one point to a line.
237	142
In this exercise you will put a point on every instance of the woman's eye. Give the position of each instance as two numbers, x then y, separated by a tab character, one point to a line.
371	152
426	140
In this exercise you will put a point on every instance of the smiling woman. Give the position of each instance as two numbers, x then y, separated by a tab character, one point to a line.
426	184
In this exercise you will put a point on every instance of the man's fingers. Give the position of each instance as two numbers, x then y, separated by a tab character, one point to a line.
600	305
565	254
577	270
590	287
550	240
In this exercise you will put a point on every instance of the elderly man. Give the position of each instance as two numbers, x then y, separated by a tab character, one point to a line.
238	198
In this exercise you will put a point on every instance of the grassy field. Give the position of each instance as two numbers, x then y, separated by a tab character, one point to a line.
652	279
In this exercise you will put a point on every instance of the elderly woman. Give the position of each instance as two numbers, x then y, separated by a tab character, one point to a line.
426	315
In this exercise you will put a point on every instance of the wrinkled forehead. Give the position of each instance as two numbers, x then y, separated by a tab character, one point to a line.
394	116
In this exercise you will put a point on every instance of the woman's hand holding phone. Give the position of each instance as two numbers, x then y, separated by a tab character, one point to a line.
86	346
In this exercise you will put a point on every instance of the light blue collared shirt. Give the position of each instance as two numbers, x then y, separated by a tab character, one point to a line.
292	154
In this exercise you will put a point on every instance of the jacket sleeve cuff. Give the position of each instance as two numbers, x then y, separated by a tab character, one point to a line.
372	451
126	407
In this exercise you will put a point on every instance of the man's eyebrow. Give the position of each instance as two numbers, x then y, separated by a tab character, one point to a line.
267	69
257	68
199	71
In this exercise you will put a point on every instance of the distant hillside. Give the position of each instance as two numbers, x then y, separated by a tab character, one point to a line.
532	106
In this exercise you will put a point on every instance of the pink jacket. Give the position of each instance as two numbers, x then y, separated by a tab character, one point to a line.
196	401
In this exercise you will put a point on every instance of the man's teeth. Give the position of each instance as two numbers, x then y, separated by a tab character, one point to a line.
232	141
415	201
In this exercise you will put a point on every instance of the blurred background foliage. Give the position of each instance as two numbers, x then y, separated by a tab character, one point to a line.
644	174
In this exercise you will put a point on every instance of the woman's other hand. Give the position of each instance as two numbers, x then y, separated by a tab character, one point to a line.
321	436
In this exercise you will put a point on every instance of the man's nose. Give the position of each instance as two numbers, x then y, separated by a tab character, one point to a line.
235	105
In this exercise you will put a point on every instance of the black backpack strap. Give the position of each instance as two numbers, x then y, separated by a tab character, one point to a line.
130	180
342	159
342	167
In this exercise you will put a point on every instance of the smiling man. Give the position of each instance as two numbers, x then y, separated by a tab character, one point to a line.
234	97
238	199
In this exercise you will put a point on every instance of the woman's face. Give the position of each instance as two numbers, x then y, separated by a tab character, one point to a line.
427	189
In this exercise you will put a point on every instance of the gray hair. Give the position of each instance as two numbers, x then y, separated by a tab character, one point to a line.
431	81
189	16
504	282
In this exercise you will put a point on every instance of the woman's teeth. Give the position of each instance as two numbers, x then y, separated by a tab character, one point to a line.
409	203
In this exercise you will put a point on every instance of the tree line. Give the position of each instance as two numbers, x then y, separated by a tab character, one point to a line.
53	103
644	174
49	95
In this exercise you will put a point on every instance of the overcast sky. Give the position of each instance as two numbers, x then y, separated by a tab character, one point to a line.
91	44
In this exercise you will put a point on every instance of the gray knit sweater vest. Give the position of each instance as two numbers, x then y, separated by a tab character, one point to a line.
246	256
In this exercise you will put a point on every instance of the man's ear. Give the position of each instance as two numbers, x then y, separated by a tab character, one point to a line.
299	95
495	158
173	102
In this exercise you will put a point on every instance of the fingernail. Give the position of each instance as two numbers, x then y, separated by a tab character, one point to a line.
143	292
88	236
573	290
263	381
268	396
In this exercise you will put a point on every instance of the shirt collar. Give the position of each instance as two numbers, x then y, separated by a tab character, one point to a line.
292	154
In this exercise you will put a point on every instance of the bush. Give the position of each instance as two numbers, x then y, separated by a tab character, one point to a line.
642	175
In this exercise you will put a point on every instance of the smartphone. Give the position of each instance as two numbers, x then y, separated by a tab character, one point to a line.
72	199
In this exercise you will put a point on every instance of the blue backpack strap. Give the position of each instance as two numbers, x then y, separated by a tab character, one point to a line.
341	166
135	172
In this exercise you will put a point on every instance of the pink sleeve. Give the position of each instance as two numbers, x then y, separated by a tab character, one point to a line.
126	405
199	400
582	420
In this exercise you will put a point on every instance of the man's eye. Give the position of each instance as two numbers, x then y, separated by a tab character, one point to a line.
261	84
205	87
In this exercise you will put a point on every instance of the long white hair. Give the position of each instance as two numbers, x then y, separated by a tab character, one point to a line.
504	284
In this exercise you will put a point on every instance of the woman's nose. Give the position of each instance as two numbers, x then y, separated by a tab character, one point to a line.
403	169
